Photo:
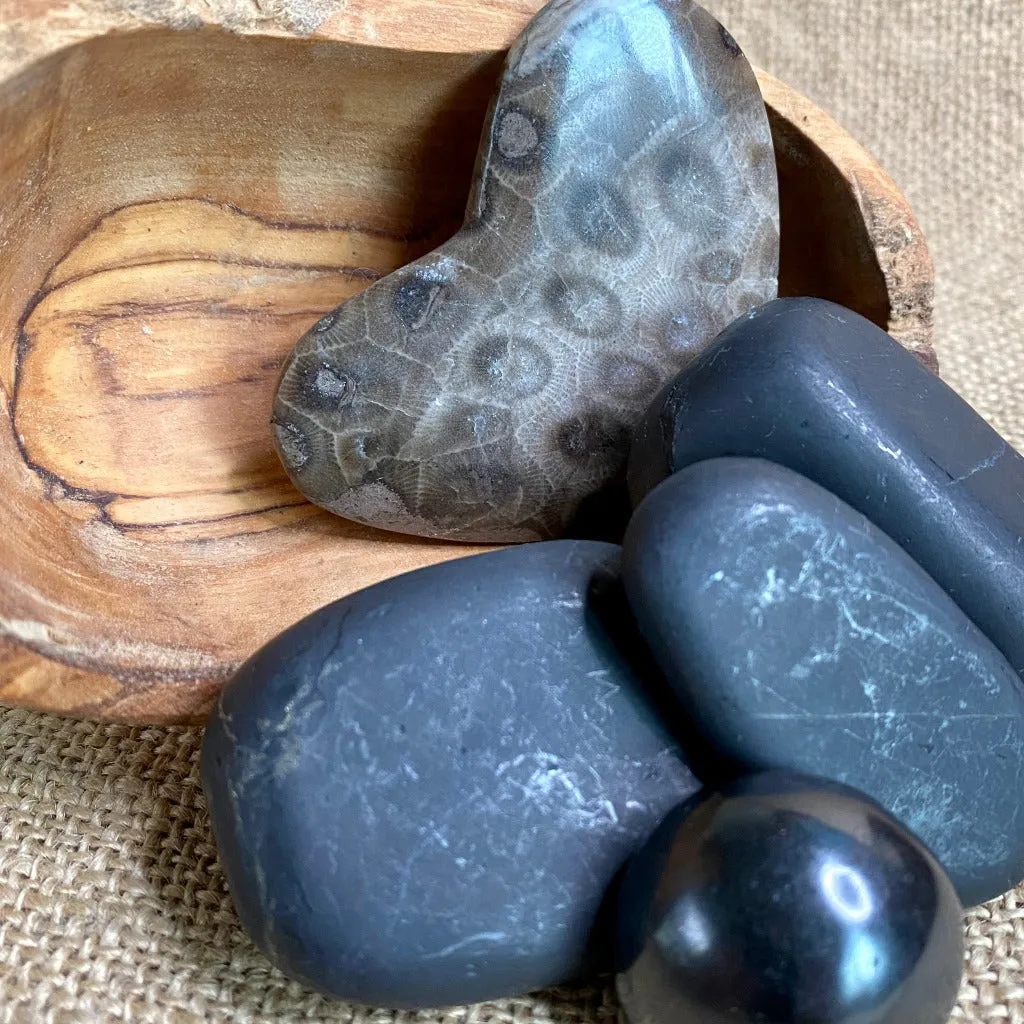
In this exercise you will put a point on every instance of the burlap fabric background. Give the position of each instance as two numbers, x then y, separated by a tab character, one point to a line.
112	904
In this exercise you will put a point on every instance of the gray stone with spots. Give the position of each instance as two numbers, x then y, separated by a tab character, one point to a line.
421	793
798	636
624	209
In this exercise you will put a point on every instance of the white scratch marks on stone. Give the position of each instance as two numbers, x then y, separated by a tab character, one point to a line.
469	940
773	590
985	464
873	716
833	386
715	577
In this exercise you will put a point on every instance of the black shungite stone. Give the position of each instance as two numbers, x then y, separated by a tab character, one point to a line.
421	793
799	636
787	900
819	389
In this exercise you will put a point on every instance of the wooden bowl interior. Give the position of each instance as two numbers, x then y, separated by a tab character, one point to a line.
176	209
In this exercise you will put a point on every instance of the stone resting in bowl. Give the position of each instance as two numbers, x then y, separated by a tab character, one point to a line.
624	210
153	291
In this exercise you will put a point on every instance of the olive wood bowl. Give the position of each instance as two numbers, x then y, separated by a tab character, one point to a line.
179	202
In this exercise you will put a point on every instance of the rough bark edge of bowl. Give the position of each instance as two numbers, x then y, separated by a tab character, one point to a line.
895	234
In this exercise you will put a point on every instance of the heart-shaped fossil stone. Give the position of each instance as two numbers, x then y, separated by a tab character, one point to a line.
623	210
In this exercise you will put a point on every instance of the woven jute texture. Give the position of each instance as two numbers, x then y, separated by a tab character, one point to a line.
112	903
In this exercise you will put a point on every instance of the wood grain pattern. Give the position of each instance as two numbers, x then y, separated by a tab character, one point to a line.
178	205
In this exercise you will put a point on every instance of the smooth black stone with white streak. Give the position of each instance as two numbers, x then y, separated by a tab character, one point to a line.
787	900
798	635
421	793
818	388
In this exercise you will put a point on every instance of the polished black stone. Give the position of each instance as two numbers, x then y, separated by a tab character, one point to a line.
798	635
786	900
820	389
421	793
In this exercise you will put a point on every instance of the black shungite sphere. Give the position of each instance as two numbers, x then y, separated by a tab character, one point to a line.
783	899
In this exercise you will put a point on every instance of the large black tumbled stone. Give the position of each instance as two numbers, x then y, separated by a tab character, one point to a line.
799	636
787	900
820	389
422	792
